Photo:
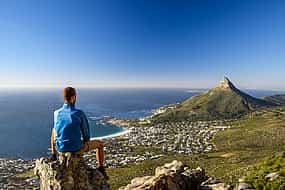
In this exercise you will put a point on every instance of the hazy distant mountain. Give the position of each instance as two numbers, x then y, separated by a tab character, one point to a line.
278	99
225	101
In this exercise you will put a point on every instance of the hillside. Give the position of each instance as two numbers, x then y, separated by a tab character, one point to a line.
253	139
278	99
223	101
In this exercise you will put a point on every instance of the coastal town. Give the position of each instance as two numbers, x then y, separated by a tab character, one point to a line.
144	142
11	174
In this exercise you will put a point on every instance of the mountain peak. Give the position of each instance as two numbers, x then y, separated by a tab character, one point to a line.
226	84
223	101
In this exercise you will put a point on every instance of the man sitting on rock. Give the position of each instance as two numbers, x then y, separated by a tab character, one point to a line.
71	133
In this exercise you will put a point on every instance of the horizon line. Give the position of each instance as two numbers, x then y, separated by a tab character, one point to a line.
35	87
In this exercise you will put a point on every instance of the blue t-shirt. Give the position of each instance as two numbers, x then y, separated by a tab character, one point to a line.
72	128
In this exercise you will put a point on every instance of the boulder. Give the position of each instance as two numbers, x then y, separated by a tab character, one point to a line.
171	176
272	176
68	173
245	186
215	184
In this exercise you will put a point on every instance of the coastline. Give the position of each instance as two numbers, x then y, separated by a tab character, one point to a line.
121	123
124	132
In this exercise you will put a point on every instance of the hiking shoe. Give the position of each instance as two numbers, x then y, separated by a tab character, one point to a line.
103	171
53	157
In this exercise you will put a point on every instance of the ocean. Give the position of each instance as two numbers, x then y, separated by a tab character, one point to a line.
26	115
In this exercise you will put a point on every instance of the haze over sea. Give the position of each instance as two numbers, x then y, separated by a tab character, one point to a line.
27	115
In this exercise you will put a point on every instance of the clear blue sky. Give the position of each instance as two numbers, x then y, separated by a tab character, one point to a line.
142	43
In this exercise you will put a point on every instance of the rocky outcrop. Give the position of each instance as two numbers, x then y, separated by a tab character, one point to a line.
68	173
226	84
175	176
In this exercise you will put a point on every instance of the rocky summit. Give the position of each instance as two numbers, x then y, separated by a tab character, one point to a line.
68	173
226	84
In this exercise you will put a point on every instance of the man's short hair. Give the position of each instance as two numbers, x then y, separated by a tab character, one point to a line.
68	92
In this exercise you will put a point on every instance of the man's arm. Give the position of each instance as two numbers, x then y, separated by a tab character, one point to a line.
52	142
85	128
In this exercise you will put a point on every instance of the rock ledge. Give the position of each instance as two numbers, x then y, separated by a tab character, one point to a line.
68	174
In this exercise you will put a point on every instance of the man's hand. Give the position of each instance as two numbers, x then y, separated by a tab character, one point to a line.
53	157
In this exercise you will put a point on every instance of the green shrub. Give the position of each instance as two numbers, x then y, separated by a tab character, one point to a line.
257	175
